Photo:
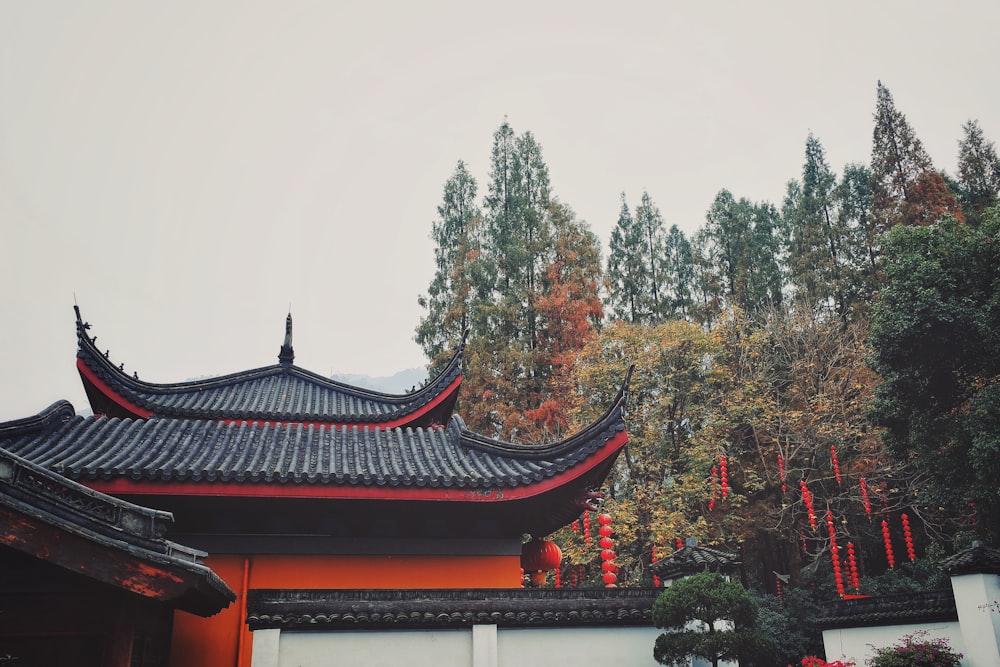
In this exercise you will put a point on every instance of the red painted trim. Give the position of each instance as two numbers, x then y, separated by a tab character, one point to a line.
123	486
393	423
105	389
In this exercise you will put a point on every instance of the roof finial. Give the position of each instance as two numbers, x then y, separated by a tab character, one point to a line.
287	355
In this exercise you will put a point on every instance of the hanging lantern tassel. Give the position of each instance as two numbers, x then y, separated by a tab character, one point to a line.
835	462
888	544
607	554
864	498
908	536
852	562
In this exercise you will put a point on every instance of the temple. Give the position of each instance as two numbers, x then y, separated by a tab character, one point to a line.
291	482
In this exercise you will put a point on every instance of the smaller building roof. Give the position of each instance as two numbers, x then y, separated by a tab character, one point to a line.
401	609
121	544
900	609
692	559
977	559
279	393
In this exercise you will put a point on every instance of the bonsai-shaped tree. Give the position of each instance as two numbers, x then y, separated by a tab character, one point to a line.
710	618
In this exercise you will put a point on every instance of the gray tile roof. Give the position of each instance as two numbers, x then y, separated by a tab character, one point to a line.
977	559
281	392
384	609
693	559
121	529
187	450
926	607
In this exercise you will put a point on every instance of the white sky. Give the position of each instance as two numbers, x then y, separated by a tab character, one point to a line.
190	169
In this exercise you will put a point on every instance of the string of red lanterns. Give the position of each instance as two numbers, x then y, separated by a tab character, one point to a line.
653	561
807	499
834	554
679	543
835	462
853	564
724	476
607	554
908	537
888	544
864	498
586	529
781	474
715	488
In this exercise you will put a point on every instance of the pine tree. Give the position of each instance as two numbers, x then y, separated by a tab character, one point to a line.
649	220
679	271
905	187
627	272
978	172
450	296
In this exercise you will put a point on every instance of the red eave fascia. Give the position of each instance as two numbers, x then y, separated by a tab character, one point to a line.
123	486
105	389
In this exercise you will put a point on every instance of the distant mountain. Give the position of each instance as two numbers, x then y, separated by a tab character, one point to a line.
400	383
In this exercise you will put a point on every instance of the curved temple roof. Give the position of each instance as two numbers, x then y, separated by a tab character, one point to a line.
200	458
281	393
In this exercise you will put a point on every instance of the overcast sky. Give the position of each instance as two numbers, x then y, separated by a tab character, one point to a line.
189	170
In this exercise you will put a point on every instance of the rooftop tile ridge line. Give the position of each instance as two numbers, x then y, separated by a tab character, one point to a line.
611	420
87	347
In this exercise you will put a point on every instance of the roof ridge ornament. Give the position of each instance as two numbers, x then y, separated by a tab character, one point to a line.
287	355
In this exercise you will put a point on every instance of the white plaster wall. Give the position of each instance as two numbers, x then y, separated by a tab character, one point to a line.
859	644
576	647
976	596
412	648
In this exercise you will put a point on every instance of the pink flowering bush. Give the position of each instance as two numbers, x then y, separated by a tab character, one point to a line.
813	661
914	650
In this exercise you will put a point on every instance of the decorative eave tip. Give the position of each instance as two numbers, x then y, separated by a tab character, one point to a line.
287	355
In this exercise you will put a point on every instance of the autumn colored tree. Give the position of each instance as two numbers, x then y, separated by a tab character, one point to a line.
978	172
905	188
656	491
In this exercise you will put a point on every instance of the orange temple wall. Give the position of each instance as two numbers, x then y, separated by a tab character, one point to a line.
224	640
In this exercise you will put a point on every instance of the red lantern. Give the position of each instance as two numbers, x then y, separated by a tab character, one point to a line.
605	530
604	519
835	462
607	554
606	543
609	579
586	529
679	543
807	499
608	566
538	557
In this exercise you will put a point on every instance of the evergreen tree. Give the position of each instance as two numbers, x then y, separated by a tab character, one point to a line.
742	245
450	295
905	187
649	220
816	254
861	252
627	272
978	172
679	271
